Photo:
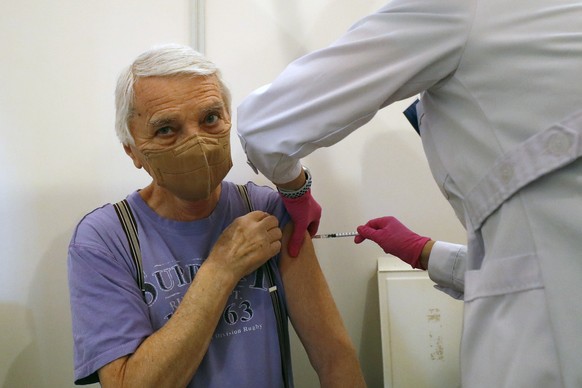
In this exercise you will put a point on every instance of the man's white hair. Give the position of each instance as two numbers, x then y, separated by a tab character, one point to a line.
159	61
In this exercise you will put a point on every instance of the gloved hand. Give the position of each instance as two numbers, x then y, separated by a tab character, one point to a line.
305	213
394	238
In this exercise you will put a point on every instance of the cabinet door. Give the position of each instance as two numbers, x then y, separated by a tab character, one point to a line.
421	328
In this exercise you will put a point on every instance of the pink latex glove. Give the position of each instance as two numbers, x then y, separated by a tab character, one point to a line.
305	213
394	238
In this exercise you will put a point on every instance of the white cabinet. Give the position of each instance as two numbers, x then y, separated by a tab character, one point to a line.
421	329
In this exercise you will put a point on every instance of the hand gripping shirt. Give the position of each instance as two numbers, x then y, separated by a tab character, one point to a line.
111	318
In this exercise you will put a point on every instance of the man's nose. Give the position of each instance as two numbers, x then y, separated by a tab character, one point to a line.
192	129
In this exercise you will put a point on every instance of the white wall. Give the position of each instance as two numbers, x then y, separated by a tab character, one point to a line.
59	157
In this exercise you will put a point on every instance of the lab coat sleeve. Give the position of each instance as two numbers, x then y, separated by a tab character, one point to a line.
403	49
446	267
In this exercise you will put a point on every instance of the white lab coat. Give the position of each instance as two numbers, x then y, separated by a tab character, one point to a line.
491	74
446	267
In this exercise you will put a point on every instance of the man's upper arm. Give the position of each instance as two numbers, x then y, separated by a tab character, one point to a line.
312	309
109	319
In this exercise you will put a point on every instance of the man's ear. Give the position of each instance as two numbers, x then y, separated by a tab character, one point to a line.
133	155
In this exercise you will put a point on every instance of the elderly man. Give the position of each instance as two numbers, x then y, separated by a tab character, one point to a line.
206	314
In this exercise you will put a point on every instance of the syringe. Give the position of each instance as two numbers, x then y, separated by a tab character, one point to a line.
334	235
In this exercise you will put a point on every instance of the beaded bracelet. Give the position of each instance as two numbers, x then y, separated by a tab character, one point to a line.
291	194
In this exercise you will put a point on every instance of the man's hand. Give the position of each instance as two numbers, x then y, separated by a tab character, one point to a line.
247	243
394	238
305	213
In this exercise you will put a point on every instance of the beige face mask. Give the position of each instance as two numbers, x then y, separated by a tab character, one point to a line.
192	169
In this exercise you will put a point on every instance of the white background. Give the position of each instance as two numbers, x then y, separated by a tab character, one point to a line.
59	157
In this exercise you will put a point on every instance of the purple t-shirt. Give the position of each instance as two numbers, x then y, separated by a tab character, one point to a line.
111	318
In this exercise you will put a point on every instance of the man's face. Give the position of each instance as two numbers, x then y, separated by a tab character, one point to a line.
168	110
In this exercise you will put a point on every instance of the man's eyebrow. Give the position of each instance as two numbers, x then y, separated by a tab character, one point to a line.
160	121
213	107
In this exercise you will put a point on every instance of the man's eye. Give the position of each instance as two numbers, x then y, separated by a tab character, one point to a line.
211	119
164	131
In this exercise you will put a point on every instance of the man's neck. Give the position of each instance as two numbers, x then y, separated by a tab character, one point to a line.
167	205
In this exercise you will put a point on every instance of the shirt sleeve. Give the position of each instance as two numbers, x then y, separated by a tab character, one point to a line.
446	267
109	316
403	49
269	201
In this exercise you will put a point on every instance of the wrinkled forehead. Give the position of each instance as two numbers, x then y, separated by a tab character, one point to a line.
165	91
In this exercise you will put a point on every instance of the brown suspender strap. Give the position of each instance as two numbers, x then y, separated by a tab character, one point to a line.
282	329
130	228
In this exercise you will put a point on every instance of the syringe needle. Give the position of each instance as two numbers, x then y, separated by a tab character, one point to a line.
335	235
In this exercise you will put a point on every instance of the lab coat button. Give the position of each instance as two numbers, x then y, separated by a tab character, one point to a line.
558	143
506	173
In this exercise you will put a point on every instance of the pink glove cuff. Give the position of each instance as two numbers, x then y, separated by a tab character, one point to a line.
414	251
305	213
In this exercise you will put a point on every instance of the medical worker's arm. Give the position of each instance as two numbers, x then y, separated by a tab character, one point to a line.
445	262
316	319
398	52
446	267
396	239
171	355
304	211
